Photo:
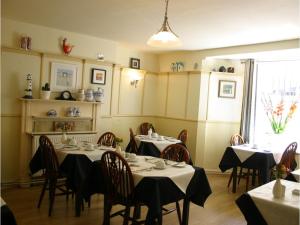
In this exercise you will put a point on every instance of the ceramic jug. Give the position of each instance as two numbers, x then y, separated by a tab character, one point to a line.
89	95
98	95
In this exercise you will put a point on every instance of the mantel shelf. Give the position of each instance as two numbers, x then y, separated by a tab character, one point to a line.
221	73
60	132
61	118
57	101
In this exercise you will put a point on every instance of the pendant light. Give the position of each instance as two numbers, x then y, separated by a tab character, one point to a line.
165	37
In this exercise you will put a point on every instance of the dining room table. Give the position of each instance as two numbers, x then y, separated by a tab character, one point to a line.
153	145
75	162
260	207
156	187
261	158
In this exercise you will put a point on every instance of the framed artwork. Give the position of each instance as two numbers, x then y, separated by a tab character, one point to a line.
63	76
134	63
227	89
98	76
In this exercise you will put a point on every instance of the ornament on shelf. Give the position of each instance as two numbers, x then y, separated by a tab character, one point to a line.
28	91
67	48
26	43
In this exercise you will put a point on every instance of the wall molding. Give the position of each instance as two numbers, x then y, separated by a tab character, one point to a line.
10	115
56	55
168	118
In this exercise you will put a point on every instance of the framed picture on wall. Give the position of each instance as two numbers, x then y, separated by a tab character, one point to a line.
98	76
134	63
63	76
227	89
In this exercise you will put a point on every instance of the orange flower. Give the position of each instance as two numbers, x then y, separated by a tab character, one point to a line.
292	109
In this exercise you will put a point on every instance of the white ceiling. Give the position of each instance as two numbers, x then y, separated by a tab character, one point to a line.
200	24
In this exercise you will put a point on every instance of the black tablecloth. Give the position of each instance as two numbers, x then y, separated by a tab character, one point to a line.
261	161
250	211
7	217
156	191
75	167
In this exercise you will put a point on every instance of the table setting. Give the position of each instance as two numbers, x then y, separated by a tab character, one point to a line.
153	144
163	181
259	204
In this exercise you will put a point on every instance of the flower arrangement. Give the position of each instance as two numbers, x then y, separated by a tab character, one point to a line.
280	171
118	140
278	115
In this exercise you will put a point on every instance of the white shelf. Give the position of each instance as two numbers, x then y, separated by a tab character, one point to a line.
61	118
57	101
59	132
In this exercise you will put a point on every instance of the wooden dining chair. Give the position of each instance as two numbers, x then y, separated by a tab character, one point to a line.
178	153
183	135
119	187
237	139
132	147
144	127
53	179
107	139
288	157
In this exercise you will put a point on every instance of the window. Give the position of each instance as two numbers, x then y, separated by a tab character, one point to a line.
275	98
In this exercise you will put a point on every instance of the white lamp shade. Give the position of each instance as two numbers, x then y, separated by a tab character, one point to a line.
164	39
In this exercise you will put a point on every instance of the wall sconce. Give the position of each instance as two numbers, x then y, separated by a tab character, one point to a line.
134	78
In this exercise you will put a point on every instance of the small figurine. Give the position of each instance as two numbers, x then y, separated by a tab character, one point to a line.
67	48
28	91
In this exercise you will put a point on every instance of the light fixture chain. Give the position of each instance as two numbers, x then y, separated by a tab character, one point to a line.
166	11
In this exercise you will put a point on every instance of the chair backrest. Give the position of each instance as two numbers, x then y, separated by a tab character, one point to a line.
107	139
133	148
118	177
288	157
49	157
176	152
144	127
183	135
236	139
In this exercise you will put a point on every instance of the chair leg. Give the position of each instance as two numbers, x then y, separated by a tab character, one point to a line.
253	177
42	193
126	215
52	188
178	212
247	179
230	178
240	175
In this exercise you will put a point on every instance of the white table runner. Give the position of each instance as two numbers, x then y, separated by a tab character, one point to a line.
161	145
181	176
80	150
283	211
243	152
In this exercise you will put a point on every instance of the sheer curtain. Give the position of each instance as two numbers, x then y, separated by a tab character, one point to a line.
246	116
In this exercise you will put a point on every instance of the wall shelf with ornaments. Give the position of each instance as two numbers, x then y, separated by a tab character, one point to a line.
35	122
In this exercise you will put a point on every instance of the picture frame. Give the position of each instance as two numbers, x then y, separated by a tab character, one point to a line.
98	76
63	76
134	63
227	89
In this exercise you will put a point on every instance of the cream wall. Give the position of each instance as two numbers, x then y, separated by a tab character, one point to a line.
123	106
171	101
